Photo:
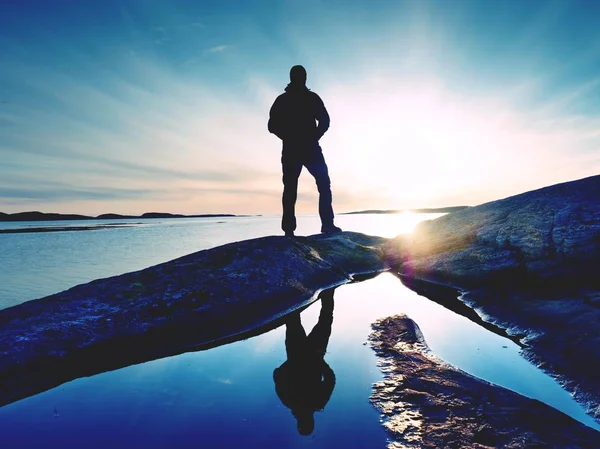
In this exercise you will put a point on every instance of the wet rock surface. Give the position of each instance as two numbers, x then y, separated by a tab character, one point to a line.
197	300
528	263
426	403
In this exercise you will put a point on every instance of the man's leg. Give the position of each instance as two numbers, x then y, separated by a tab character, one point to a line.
319	336
318	168
291	172
295	338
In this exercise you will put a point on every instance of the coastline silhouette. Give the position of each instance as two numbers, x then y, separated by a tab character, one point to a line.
293	118
304	382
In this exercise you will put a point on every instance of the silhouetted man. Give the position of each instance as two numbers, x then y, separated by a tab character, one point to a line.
293	119
304	383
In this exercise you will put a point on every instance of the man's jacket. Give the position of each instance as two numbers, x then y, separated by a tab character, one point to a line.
294	114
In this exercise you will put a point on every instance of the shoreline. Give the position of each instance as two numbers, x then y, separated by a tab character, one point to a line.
425	210
43	216
67	228
34	216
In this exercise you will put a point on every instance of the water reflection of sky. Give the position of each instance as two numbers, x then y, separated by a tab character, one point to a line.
225	397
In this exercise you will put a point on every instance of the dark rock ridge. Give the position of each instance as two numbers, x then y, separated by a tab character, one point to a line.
426	403
528	263
200	299
41	216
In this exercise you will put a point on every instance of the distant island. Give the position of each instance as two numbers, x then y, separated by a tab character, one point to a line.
41	216
430	210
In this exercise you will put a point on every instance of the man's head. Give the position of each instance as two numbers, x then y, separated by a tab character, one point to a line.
298	75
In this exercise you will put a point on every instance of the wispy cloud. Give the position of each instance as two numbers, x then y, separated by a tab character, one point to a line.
160	35
178	139
217	49
70	194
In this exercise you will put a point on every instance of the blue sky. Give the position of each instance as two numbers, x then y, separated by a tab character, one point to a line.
133	106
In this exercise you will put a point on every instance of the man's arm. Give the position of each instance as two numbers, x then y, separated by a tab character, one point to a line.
275	125
325	388
322	117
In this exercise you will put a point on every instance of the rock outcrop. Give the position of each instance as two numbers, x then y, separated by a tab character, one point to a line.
529	264
426	403
546	236
198	300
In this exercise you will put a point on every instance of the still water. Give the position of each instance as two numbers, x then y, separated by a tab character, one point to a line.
225	396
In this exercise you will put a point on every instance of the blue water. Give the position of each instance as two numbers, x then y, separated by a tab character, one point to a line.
225	396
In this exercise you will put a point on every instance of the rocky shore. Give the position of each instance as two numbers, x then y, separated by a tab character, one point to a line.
523	267
527	263
200	299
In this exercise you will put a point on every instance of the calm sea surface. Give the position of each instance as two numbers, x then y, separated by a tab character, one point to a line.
225	396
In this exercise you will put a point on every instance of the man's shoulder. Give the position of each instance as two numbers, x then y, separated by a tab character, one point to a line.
313	94
293	97
315	97
280	96
280	102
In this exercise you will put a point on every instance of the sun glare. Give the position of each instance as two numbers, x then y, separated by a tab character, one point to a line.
389	225
423	144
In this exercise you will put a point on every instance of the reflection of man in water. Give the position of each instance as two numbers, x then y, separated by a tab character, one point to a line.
304	383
